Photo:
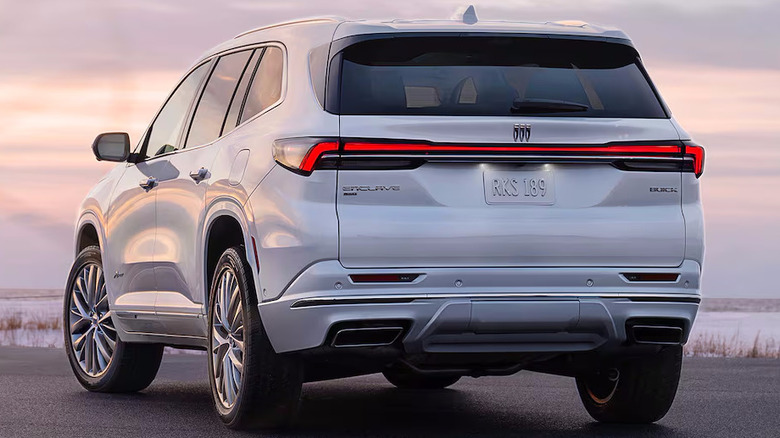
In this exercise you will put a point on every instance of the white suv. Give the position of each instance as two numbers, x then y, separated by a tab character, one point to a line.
426	199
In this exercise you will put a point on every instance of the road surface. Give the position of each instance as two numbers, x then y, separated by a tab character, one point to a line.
717	397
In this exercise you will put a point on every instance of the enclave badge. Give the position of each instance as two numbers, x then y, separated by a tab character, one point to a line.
352	190
522	132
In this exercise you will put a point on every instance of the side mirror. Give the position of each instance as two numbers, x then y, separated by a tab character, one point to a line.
112	146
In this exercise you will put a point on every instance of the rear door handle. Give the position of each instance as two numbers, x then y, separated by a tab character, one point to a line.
199	175
148	184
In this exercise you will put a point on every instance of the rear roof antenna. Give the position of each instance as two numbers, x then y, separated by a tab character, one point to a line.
467	15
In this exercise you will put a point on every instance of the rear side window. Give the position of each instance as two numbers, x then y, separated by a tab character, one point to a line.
266	88
231	121
213	105
495	76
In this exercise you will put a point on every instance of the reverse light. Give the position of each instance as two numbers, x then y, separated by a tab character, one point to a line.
301	154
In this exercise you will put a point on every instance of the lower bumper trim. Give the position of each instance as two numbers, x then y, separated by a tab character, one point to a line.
403	299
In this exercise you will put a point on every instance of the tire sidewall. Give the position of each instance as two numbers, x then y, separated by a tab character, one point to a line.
231	260
88	255
645	390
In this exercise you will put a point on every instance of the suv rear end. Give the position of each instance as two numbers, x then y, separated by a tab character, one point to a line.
505	201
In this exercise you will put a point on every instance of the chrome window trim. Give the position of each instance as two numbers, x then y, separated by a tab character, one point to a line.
212	58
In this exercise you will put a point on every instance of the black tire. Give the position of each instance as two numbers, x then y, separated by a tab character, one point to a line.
405	378
132	366
270	388
642	393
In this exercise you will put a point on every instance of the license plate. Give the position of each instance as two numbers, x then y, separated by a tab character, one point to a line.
520	187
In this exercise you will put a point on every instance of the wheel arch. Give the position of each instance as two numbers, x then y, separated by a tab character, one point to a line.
88	232
225	226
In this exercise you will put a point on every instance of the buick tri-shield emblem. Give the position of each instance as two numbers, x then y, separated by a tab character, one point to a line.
522	132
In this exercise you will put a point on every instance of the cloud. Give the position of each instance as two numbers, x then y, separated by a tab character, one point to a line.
73	69
129	36
721	100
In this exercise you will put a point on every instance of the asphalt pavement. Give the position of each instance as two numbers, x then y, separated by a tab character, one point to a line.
39	397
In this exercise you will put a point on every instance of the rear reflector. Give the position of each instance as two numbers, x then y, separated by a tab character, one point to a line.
383	278
257	259
651	276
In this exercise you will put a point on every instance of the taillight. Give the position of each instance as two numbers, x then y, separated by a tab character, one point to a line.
302	154
425	148
696	152
305	154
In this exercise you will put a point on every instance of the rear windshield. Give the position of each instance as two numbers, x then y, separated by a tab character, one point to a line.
495	76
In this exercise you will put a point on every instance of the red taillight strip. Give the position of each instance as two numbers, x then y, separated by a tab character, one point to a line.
314	154
426	148
697	152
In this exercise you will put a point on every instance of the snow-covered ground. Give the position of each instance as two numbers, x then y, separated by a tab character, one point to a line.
744	325
34	322
39	314
725	326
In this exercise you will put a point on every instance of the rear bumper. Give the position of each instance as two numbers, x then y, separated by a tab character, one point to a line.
493	311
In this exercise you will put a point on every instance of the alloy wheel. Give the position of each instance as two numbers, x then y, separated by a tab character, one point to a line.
92	332
227	341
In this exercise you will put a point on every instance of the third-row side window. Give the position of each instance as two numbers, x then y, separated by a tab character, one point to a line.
231	121
266	86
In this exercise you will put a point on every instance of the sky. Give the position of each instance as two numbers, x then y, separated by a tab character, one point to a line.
73	69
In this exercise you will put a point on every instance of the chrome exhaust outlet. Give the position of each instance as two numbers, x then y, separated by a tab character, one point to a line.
656	334
366	337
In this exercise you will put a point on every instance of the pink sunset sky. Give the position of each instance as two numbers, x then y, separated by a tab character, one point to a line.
73	69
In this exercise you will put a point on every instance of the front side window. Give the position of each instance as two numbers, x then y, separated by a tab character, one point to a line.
495	76
163	134
217	94
266	88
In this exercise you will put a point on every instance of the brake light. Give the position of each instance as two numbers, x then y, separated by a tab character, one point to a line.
305	154
301	154
697	153
639	150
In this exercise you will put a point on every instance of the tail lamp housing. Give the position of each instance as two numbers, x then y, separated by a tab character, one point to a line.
695	152
305	154
302	154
